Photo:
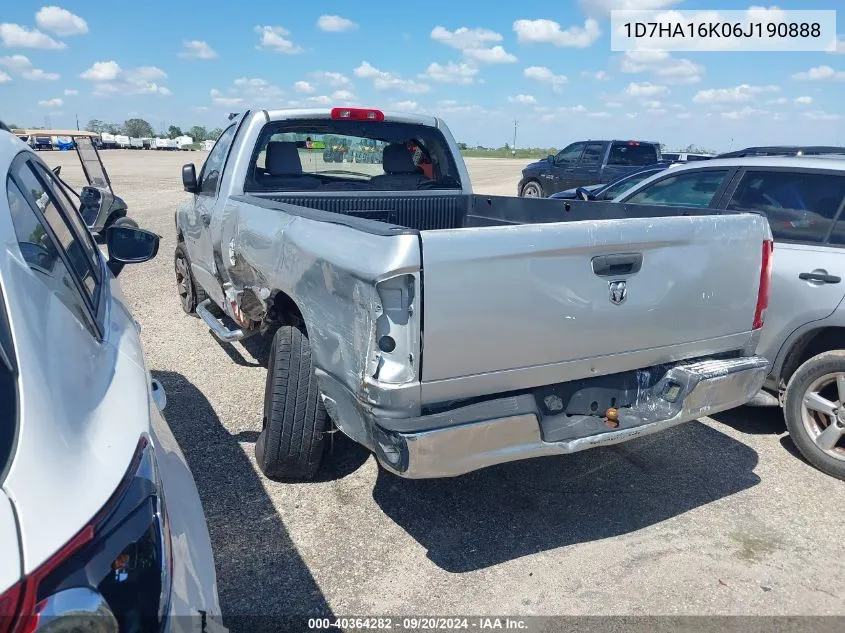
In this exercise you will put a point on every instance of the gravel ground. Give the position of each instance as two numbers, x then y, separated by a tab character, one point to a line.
713	517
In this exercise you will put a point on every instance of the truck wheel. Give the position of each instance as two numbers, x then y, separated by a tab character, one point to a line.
125	221
191	294
814	408
532	189
290	445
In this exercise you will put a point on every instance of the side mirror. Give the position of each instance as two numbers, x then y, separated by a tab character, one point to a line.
57	170
129	245
189	178
583	194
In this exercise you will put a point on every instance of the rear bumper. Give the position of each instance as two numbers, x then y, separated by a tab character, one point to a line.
508	429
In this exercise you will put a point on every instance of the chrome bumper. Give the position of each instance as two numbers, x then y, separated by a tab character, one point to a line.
512	428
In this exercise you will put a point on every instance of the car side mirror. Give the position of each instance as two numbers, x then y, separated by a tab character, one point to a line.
583	194
189	178
129	245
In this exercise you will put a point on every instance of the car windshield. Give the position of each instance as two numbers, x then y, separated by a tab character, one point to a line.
328	155
623	184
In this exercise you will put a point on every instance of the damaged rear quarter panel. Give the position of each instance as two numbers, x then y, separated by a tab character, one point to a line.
329	270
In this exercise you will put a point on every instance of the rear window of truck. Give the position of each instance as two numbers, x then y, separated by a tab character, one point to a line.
331	155
632	153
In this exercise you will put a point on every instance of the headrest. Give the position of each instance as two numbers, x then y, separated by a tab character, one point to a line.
282	159
396	159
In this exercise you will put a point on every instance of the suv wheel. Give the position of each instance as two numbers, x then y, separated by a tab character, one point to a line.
814	408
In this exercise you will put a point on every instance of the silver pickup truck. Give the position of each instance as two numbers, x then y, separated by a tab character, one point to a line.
447	331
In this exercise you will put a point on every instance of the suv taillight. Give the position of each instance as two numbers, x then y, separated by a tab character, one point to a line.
765	282
119	565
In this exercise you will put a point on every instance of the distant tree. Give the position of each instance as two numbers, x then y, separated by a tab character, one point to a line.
15	126
462	146
174	131
507	146
214	134
111	128
137	128
95	125
198	133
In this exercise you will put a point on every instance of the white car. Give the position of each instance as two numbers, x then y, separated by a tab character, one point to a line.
100	519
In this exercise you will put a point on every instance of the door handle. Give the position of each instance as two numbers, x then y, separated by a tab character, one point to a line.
617	264
206	218
826	279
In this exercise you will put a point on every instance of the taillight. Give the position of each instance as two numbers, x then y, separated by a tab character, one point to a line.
765	282
119	565
356	114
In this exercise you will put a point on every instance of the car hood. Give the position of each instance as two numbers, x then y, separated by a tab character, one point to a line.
536	166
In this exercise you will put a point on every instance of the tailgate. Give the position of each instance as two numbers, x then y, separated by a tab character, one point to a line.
577	299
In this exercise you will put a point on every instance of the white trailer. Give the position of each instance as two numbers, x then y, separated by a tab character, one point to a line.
122	141
136	143
108	141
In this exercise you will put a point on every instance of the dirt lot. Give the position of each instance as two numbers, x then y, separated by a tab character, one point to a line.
717	516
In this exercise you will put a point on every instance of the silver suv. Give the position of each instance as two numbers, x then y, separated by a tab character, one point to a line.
804	333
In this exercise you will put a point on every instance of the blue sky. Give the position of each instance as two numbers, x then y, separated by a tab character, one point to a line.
479	65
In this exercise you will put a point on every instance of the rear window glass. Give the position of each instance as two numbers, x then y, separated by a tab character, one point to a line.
800	206
327	155
632	153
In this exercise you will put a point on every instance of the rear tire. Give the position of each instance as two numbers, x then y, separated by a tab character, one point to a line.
532	189
190	292
817	378
290	446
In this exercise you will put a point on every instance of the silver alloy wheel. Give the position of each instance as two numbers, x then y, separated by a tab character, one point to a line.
823	414
531	190
183	281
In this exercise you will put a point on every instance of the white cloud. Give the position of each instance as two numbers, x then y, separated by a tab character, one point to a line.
765	15
644	89
546	76
803	100
549	32
613	104
524	99
651	104
321	99
218	98
598	75
130	87
494	55
343	95
683	115
60	21
255	82
451	73
17	36
839	46
4	78
407	106
71	93
36	74
739	94
820	115
102	71
387	81
304	86
335	24
335	80
450	106
51	103
147	73
197	49
820	73
273	39
604	7
661	64
16	62
743	113
465	38
599	115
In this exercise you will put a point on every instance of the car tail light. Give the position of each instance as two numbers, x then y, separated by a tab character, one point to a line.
357	114
765	281
633	143
119	565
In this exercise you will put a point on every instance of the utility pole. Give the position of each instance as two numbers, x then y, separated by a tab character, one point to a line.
77	122
515	124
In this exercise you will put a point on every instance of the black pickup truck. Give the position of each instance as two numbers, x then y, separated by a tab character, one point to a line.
586	163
